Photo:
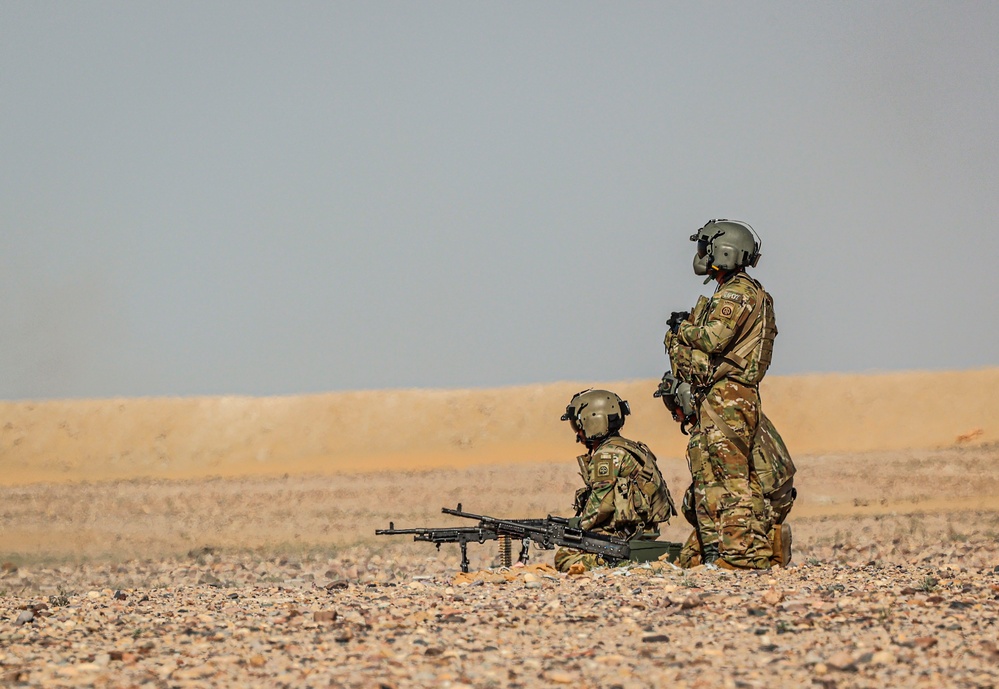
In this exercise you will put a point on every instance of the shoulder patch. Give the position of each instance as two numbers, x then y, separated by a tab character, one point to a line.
727	308
604	467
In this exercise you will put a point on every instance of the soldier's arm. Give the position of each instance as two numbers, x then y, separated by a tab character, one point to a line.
599	507
725	312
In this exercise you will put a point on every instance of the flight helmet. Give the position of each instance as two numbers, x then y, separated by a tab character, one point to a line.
596	414
725	245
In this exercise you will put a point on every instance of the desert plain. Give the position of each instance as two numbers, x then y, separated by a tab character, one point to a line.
230	542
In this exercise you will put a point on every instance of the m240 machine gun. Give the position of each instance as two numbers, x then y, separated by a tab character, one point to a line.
547	534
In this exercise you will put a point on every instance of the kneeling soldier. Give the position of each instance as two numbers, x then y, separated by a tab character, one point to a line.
624	493
772	465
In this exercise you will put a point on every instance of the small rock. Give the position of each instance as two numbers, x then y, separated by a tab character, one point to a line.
691	601
211	580
559	677
842	661
118	595
925	642
773	596
257	660
93	595
883	658
25	617
324	615
655	639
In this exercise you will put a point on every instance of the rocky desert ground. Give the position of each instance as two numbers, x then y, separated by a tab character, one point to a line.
190	543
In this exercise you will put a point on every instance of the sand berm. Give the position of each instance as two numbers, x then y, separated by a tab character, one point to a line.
421	429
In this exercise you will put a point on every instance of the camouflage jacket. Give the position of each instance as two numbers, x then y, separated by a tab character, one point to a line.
625	493
730	335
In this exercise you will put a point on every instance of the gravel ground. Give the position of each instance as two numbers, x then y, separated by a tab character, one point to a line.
861	611
894	583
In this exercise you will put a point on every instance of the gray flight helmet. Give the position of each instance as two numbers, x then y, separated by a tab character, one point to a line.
596	413
725	245
676	395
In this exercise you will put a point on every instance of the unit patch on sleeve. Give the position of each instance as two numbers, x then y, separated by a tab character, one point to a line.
603	468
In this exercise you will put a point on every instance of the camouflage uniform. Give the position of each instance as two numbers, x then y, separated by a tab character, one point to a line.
725	349
772	465
625	496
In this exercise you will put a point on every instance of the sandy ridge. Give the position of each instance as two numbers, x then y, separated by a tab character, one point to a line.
70	440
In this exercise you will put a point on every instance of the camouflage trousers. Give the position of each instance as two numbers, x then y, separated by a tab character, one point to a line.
567	557
728	501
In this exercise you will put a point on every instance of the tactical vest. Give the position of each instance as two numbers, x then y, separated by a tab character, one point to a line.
749	353
649	479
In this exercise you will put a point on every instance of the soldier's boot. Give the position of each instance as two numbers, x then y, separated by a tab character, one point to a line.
782	544
710	556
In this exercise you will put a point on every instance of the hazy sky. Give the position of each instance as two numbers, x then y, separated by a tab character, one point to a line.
275	198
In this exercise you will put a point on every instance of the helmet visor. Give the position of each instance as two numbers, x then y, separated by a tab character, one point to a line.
702	247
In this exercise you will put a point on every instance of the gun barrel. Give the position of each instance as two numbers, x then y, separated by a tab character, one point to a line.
551	532
448	529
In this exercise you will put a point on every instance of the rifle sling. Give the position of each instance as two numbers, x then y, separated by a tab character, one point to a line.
726	430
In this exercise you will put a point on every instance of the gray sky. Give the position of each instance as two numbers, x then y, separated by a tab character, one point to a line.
275	198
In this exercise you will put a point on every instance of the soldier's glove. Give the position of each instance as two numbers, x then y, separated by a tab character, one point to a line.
675	319
573	522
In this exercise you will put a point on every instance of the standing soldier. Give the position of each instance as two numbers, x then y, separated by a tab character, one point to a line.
624	494
728	341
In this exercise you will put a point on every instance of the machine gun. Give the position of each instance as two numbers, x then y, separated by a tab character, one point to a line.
463	535
546	533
